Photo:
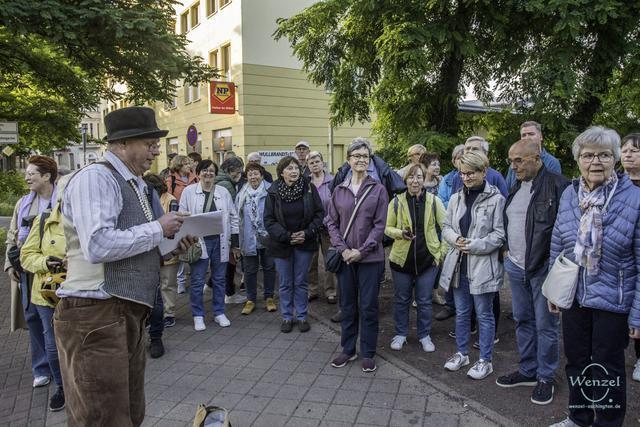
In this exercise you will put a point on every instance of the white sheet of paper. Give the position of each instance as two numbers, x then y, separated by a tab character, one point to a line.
198	225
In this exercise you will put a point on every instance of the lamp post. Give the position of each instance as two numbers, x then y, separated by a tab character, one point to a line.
84	143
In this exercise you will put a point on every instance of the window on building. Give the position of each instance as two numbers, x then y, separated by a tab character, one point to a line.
91	129
194	15
184	23
98	130
72	162
223	3
187	94
225	62
213	58
195	92
211	7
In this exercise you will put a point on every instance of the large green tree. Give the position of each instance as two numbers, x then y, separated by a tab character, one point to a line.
409	62
59	57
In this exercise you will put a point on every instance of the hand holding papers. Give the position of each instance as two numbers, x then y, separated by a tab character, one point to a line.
198	225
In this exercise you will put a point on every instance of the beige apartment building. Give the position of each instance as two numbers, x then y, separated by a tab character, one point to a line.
275	104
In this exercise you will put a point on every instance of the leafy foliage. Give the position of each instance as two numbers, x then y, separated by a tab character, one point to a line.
565	63
60	57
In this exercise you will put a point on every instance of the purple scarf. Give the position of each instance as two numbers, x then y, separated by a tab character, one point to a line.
25	206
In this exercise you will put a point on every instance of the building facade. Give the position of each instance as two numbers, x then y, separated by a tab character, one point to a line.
275	104
76	155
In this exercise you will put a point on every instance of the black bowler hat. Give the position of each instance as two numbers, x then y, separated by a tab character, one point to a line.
132	122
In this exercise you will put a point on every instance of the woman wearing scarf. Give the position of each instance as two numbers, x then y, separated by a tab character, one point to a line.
40	175
597	228
250	203
293	217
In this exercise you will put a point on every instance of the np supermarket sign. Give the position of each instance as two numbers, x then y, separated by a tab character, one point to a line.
222	97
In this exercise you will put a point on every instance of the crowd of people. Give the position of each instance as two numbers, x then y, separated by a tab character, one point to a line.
87	275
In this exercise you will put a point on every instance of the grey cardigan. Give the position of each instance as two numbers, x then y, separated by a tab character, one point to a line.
487	235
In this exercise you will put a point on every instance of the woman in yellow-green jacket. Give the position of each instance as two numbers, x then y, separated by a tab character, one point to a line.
414	219
40	258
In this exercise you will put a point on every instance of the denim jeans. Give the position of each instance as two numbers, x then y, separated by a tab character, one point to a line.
537	330
251	264
39	361
46	316
294	285
595	338
198	275
359	284
181	278
156	320
404	284
483	304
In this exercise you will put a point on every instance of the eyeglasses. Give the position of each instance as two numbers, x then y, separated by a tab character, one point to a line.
415	178
518	161
464	175
590	157
208	171
363	157
152	146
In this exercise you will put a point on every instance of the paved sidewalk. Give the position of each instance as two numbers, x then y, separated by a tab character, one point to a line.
264	377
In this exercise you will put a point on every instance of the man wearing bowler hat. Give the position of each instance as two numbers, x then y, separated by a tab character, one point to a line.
113	226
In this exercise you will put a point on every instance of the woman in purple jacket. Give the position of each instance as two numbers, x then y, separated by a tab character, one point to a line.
362	252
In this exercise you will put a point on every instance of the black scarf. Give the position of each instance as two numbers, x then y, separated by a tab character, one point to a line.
293	193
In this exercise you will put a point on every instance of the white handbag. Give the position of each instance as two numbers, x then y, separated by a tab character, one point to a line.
561	283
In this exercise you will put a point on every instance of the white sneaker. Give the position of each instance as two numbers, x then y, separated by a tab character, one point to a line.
222	320
414	304
456	362
636	372
235	299
427	344
480	370
181	289
397	342
565	423
198	323
41	381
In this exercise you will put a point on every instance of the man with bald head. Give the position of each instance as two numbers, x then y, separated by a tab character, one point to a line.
529	217
532	131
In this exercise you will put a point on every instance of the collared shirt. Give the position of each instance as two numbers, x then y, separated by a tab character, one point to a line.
93	201
372	171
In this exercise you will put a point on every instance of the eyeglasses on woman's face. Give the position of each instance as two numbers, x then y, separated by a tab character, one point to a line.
360	157
604	157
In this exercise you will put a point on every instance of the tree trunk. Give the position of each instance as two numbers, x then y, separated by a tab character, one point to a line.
607	52
447	90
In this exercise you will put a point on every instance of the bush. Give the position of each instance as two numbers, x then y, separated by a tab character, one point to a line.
3	238
12	187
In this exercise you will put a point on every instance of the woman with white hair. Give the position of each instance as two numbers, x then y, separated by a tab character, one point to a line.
597	228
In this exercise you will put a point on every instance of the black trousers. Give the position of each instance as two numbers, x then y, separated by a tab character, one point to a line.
594	345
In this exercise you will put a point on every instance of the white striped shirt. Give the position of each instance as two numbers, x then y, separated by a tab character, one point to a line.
92	202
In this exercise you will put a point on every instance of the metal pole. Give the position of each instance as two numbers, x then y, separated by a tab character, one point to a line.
330	147
84	143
